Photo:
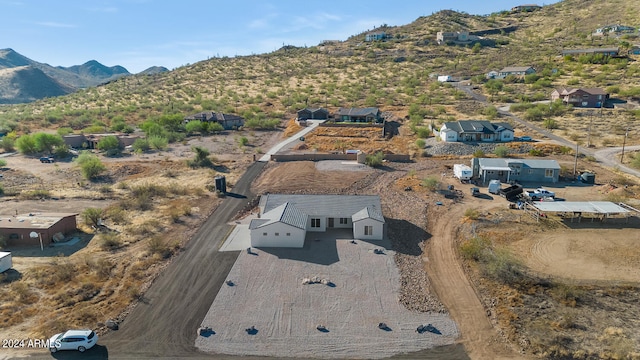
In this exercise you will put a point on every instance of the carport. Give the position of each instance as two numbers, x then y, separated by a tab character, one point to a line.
575	210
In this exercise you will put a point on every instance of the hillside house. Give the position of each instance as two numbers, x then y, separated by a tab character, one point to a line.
518	71
376	36
526	8
285	220
456	37
520	170
359	115
581	97
614	28
491	74
228	121
313	114
16	230
90	141
475	131
635	50
606	51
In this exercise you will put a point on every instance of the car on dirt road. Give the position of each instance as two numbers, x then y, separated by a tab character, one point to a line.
80	340
525	138
47	159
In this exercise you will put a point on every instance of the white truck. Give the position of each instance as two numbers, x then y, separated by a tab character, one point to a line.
539	194
5	261
462	172
494	187
445	78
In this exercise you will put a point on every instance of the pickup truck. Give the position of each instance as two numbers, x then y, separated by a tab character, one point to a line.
512	191
539	194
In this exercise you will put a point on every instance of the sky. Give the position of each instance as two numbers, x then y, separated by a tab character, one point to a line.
138	34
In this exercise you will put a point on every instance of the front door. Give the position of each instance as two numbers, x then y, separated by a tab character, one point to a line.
330	222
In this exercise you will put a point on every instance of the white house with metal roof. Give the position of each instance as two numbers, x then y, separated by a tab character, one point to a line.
522	170
285	219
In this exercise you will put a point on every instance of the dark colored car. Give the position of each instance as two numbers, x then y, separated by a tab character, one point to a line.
47	159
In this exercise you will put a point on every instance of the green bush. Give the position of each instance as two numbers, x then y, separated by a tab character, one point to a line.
374	160
92	216
90	165
501	151
431	183
110	145
478	153
3	163
8	144
158	142
420	143
201	158
141	145
243	141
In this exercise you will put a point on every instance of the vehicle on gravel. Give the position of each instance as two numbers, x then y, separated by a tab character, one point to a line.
47	159
525	138
80	340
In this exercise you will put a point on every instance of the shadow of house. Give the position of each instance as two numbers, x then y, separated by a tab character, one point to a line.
405	237
319	248
228	121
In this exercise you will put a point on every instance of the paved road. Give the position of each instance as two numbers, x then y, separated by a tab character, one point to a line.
605	156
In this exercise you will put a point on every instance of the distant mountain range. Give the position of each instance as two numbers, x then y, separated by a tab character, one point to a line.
25	80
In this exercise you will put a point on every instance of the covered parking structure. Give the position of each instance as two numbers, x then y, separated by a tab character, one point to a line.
576	210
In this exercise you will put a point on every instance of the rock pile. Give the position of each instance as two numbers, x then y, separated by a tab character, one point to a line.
434	147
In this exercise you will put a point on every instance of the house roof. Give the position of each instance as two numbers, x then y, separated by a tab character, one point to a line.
33	220
313	109
324	205
477	126
286	213
590	50
213	116
367	213
515	69
503	164
358	111
593	207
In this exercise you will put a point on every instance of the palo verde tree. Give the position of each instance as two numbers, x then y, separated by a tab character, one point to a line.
90	165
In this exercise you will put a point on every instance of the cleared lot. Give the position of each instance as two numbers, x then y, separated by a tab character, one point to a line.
268	293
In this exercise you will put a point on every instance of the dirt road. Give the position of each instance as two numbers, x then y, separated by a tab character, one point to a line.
456	292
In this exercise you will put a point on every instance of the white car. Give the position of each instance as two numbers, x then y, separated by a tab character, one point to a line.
80	340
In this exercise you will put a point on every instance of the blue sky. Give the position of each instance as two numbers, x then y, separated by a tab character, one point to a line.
138	34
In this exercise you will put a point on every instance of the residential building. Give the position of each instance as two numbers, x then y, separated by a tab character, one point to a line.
518	71
475	131
377	36
228	121
285	220
19	230
526	8
607	51
313	114
90	141
359	115
456	37
520	170
581	97
614	28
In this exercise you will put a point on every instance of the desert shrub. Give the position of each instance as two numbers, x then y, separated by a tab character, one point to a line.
478	153
431	183
7	143
500	265
90	165
92	216
141	145
635	161
536	152
64	131
374	160
420	143
26	144
243	141
158	142
201	158
3	163
35	194
501	151
474	248
110	241
116	214
472	213
422	132
550	124
157	245
566	294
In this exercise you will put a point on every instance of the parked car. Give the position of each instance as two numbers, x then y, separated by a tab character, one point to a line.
80	340
47	159
525	138
539	194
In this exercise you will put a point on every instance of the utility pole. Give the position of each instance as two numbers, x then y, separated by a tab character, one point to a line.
589	130
575	162
626	133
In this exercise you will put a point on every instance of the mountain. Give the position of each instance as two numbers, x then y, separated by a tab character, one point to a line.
21	84
55	81
153	70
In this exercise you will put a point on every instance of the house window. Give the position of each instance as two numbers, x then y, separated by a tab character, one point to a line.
487	136
264	234
315	223
277	234
344	221
548	173
531	172
288	234
368	230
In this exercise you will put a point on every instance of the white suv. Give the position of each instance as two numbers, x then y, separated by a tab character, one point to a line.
80	340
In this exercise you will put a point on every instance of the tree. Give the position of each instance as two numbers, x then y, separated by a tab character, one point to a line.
110	145
476	48
92	216
8	144
47	142
26	144
90	165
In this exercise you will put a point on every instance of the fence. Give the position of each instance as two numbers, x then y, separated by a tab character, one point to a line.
319	157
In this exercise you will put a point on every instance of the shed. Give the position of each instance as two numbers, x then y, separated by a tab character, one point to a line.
5	261
588	178
17	229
